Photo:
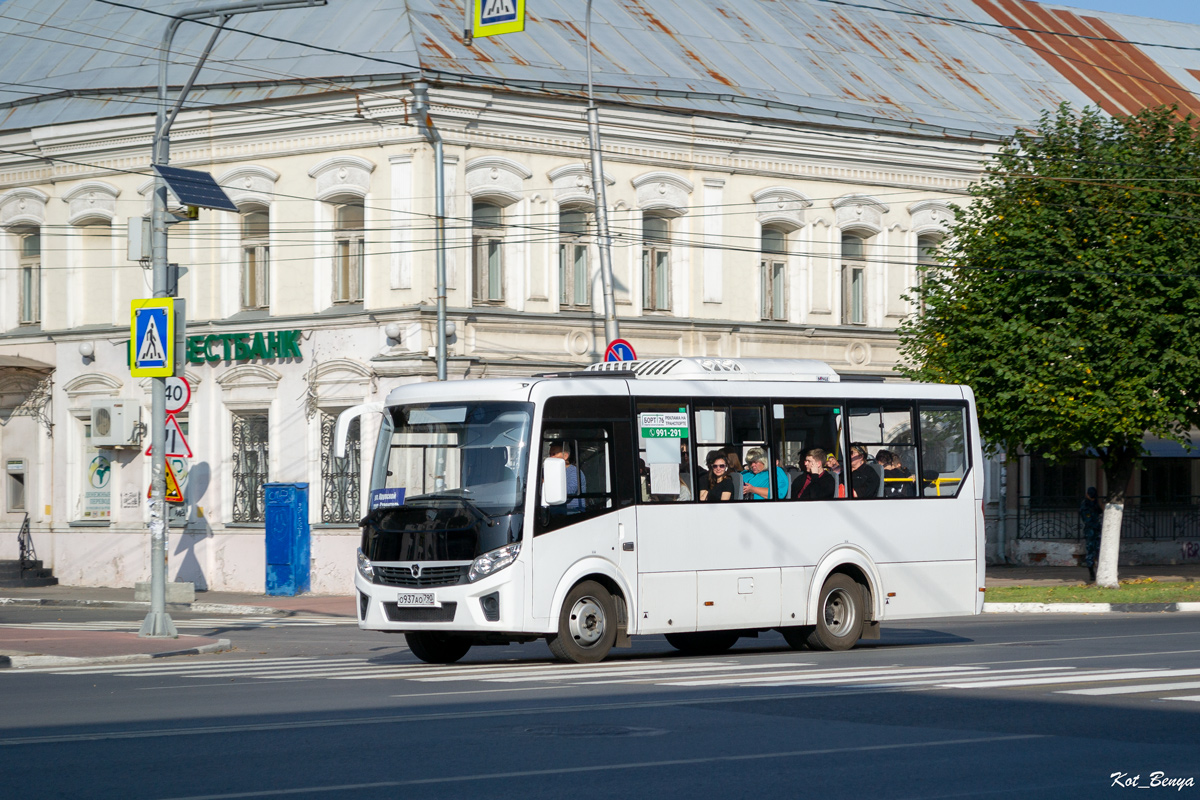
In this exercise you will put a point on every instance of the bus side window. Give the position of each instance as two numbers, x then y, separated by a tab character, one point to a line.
884	431
664	440
945	460
587	449
804	429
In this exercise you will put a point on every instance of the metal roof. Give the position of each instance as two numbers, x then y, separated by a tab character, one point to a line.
923	64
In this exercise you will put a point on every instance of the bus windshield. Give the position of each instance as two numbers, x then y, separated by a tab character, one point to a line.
472	453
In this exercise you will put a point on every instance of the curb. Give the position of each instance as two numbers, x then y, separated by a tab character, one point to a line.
22	662
1089	608
199	608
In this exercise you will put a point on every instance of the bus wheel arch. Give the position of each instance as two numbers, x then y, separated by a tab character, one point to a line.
588	622
593	569
846	583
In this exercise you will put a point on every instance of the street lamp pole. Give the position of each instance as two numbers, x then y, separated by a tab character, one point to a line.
158	622
604	242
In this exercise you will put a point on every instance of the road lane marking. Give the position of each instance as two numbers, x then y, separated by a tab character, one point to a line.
629	765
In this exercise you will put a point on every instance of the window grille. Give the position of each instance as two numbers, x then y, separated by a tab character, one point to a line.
250	466
340	477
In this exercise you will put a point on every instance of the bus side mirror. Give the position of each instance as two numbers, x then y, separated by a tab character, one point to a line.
342	429
554	482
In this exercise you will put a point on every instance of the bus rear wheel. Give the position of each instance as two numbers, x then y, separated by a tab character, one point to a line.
703	643
587	625
839	614
437	648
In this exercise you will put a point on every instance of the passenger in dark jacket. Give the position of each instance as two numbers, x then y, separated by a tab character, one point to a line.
897	479
863	478
818	483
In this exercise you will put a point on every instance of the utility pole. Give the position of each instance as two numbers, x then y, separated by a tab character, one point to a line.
611	329
158	623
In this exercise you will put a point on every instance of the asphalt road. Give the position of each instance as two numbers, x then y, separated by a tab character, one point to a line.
997	706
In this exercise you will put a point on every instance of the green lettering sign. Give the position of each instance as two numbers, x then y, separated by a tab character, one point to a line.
257	346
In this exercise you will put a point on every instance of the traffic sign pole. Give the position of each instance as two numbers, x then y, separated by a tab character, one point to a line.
158	623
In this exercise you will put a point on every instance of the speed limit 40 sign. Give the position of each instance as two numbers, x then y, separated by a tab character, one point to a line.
179	394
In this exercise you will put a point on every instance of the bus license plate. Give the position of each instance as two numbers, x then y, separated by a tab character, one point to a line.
427	599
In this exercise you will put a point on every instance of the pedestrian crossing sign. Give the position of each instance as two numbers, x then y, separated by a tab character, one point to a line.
494	17
152	330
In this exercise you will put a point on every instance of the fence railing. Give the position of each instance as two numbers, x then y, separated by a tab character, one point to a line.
1058	518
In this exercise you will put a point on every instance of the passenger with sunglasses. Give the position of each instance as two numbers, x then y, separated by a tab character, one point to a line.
720	484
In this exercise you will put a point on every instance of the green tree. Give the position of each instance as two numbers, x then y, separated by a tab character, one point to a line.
1067	294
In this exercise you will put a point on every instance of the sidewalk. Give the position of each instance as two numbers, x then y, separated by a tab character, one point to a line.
21	646
1004	575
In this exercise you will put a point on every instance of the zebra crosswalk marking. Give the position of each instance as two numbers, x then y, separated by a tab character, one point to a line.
825	676
900	677
676	673
1087	675
630	669
234	622
1146	687
193	668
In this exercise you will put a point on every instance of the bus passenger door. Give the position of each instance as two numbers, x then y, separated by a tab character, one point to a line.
595	530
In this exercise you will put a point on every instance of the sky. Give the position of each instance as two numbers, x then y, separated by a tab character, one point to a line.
1174	10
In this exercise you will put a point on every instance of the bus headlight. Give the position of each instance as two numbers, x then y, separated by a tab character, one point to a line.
364	567
491	562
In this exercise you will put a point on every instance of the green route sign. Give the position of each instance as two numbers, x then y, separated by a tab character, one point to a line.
663	426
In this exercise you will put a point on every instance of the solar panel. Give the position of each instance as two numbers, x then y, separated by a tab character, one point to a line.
195	188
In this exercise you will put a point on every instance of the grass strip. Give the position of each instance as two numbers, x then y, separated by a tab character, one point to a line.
1143	591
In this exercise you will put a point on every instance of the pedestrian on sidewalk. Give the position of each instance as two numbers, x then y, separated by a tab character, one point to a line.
1090	514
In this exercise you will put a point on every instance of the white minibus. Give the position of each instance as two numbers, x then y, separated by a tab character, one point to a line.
705	499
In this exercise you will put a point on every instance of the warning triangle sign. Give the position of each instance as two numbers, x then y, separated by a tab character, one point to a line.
173	493
177	444
152	348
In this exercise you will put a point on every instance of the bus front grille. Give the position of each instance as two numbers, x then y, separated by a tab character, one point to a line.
398	613
428	576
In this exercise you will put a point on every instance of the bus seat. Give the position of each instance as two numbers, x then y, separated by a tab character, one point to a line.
878	471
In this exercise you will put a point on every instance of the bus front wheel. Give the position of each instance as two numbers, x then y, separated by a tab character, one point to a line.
839	614
587	625
437	648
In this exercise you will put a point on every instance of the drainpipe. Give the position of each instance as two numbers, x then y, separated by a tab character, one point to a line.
425	124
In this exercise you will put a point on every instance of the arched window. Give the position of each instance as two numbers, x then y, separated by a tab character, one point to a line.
256	257
487	236
349	242
31	274
854	280
656	263
574	269
772	278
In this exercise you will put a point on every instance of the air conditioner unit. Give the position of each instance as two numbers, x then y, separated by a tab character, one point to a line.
115	423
